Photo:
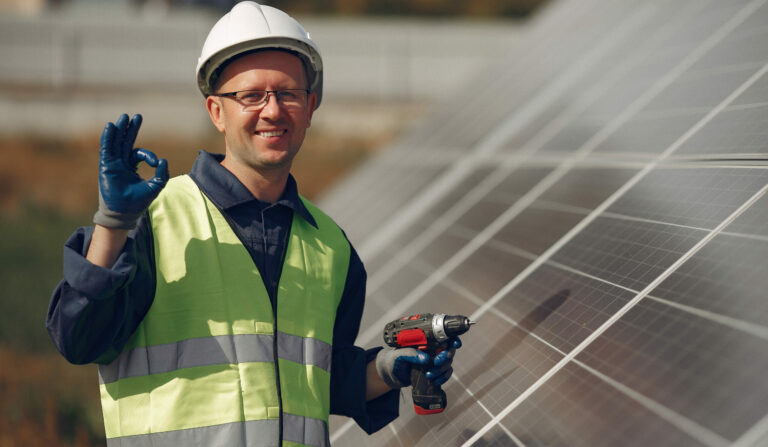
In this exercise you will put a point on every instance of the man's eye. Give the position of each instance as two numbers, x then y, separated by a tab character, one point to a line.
252	97
288	96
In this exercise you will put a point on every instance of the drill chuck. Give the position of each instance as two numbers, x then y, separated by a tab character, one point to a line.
455	325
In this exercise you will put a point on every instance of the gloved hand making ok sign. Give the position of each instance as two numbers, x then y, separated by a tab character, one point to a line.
123	194
394	364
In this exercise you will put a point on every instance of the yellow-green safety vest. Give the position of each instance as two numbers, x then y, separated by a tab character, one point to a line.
209	365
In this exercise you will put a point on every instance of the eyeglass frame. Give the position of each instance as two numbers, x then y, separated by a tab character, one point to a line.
263	104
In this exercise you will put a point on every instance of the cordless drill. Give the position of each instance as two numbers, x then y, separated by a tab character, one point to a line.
430	333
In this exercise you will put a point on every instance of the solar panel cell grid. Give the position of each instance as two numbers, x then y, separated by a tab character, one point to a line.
455	194
452	295
441	429
699	90
737	130
752	221
588	187
728	277
615	66
756	95
692	197
409	275
535	229
627	253
569	305
651	133
486	271
416	230
619	281
397	189
643	71
743	46
711	373
481	211
481	214
573	135
520	139
498	436
576	408
501	368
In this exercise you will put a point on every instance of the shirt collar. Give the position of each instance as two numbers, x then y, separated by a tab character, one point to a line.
226	191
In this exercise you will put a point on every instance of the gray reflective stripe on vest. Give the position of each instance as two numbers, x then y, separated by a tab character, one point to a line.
250	434
219	350
307	351
305	430
308	431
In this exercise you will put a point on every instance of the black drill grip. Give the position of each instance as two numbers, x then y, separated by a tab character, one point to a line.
428	398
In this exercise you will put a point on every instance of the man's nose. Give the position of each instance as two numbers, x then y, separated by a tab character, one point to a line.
272	107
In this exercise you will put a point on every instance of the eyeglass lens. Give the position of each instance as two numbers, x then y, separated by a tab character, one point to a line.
257	99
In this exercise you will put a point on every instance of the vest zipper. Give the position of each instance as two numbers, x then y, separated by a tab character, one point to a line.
277	383
274	310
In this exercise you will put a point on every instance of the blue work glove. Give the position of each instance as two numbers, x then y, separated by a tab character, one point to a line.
123	194
394	365
443	364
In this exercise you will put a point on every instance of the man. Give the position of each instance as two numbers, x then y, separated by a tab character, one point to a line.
221	306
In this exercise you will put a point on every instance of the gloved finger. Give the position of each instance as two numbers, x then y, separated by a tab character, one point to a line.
443	378
122	125
144	155
122	150
161	173
433	373
132	130
157	182
444	357
439	377
129	138
107	141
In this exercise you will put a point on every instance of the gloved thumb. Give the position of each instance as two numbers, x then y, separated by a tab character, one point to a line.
138	155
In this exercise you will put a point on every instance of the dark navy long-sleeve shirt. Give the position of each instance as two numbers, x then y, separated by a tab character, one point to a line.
93	310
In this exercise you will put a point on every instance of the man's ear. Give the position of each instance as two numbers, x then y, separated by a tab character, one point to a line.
213	105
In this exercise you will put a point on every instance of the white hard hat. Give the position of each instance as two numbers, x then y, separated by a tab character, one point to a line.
250	26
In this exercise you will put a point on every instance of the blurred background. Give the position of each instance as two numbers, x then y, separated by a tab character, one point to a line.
69	66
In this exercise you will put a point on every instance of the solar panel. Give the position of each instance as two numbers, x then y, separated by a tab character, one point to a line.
597	201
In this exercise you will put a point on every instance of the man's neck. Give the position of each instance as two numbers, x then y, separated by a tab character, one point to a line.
266	185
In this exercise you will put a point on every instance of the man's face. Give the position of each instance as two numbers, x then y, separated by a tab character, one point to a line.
267	139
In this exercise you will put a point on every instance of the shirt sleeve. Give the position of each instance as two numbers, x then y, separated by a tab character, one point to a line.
348	370
94	310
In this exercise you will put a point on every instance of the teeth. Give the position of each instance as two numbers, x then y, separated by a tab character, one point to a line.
276	133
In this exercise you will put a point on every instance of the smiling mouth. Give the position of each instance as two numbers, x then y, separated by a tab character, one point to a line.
271	133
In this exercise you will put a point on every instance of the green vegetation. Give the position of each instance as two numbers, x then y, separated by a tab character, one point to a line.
43	399
30	253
